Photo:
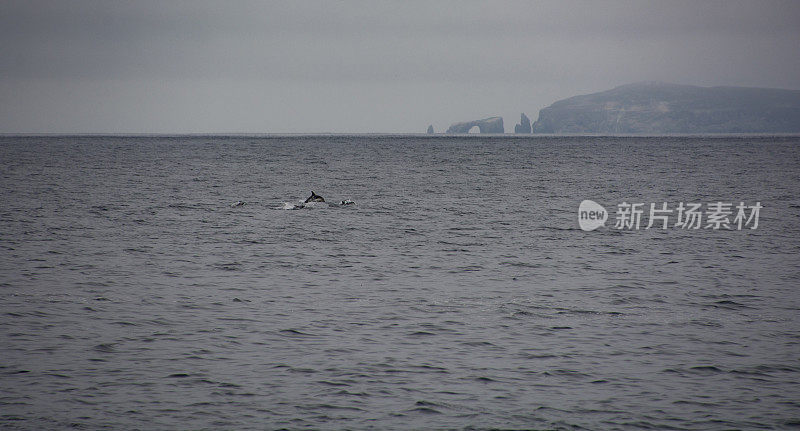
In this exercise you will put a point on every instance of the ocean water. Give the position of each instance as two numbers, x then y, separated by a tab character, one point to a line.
457	293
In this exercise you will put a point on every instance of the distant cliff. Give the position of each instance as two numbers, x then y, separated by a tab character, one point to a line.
487	125
654	107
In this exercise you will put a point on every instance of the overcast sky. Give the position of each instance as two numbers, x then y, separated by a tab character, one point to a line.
363	66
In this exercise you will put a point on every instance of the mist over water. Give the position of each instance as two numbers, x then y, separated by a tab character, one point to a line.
458	292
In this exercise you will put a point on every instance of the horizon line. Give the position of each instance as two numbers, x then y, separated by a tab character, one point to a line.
386	134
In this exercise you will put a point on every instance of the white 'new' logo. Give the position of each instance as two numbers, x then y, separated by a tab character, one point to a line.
591	215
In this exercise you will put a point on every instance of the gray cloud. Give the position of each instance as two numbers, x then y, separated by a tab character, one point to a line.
206	66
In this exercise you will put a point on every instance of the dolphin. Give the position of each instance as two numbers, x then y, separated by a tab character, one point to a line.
314	198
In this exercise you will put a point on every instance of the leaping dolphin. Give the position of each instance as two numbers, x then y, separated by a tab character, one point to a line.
314	198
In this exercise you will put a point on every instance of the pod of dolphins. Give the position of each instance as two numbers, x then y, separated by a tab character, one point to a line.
313	198
317	198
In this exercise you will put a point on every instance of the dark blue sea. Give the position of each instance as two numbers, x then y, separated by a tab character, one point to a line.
458	292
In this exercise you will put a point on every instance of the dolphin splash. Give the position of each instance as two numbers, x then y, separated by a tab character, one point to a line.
308	203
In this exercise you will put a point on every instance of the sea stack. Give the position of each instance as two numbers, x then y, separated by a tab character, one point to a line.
524	125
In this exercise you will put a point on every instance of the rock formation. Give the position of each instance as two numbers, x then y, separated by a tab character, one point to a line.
658	108
487	125
524	125
430	129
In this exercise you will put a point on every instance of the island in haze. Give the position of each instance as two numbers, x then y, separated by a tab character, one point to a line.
524	125
486	125
658	108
